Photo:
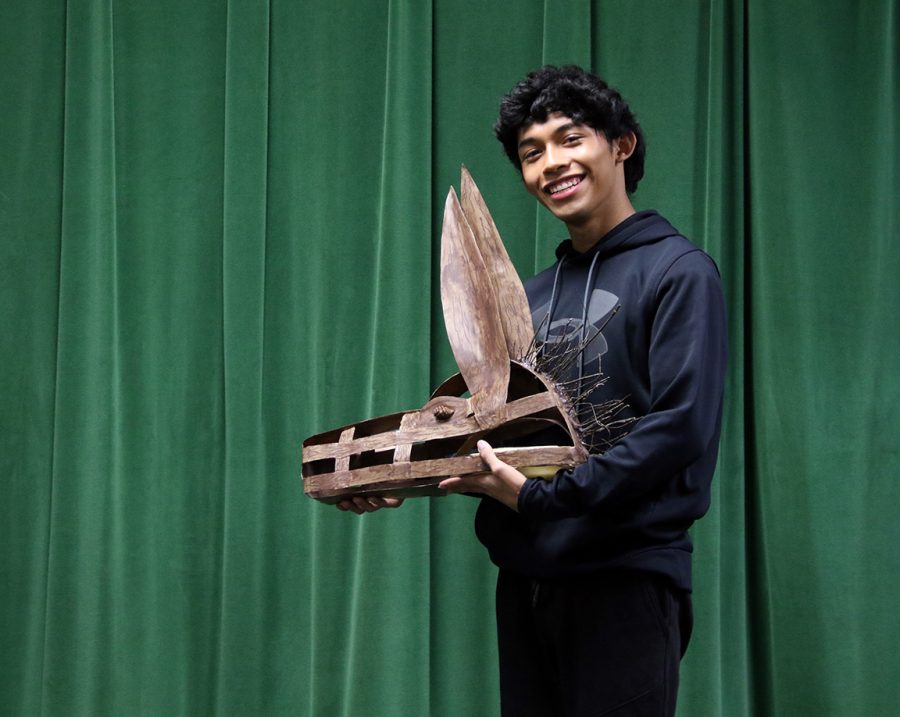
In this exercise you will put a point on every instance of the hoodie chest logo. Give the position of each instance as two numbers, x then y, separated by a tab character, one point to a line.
567	331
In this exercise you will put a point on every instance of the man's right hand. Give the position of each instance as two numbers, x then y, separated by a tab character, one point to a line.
359	504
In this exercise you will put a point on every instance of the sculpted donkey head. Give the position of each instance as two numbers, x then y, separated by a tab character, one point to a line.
502	393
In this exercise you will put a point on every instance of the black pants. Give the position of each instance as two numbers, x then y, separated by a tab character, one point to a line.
608	644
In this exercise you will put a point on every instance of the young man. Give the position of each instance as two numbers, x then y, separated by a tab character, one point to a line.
593	594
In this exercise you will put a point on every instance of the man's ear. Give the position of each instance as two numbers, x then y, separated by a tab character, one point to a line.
623	147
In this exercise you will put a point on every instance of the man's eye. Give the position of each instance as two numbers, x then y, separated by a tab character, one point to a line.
572	139
531	155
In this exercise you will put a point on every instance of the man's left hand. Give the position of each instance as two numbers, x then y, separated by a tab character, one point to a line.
503	483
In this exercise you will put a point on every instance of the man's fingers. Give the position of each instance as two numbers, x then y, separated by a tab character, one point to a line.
361	503
473	483
452	485
348	506
367	504
489	457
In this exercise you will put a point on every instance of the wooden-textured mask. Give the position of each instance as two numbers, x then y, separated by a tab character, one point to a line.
504	391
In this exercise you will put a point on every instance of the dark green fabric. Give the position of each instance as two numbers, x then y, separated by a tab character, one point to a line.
219	226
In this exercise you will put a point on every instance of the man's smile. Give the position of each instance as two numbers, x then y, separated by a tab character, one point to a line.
564	187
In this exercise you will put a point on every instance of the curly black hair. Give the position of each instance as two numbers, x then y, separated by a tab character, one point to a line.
578	94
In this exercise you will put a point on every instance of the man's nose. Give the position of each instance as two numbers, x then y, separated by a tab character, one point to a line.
554	159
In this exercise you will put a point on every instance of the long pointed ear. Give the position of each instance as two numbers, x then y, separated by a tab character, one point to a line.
472	317
514	312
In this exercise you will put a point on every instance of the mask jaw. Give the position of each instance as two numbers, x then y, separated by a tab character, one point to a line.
401	479
408	454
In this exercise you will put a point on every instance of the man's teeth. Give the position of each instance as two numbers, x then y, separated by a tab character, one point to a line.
556	188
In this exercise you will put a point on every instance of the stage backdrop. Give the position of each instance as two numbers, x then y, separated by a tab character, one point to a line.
220	225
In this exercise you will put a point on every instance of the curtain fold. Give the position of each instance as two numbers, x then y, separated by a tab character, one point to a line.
219	234
245	571
32	42
82	554
824	395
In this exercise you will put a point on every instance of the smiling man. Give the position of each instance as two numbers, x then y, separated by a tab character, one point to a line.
593	595
573	170
594	589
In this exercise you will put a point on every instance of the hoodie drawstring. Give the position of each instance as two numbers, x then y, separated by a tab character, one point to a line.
584	317
553	297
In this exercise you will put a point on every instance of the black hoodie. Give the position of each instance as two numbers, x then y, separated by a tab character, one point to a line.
657	301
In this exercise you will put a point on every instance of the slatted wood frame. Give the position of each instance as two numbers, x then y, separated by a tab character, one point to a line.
490	330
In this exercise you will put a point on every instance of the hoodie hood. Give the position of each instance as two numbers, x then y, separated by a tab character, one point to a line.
645	227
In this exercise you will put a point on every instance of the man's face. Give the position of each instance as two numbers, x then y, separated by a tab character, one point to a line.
571	169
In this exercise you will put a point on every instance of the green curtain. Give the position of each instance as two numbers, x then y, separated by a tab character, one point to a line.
219	225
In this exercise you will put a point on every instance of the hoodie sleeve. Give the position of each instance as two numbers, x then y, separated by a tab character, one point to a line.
687	357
